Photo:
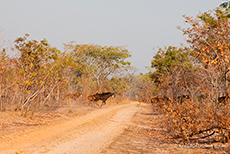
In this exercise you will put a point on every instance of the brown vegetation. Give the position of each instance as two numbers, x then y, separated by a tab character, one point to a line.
41	77
193	84
188	87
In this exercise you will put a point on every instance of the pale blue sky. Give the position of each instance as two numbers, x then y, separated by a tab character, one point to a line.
140	25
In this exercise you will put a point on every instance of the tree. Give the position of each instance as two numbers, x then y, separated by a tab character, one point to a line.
99	62
169	64
169	58
38	71
7	79
209	38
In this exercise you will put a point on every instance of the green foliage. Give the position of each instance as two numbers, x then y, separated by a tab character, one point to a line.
226	6
168	58
37	60
35	54
96	56
98	61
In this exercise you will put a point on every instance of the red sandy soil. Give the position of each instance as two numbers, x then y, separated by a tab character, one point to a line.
126	127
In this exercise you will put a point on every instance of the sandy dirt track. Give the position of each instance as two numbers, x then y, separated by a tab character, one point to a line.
90	133
128	128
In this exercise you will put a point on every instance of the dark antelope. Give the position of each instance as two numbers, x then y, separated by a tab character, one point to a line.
223	99
100	96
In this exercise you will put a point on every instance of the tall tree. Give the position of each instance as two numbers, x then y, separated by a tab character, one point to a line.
38	69
99	61
170	64
209	35
170	57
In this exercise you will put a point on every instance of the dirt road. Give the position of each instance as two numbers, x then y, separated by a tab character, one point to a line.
90	133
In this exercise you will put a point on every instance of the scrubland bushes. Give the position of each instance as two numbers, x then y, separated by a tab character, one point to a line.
201	73
40	76
189	86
